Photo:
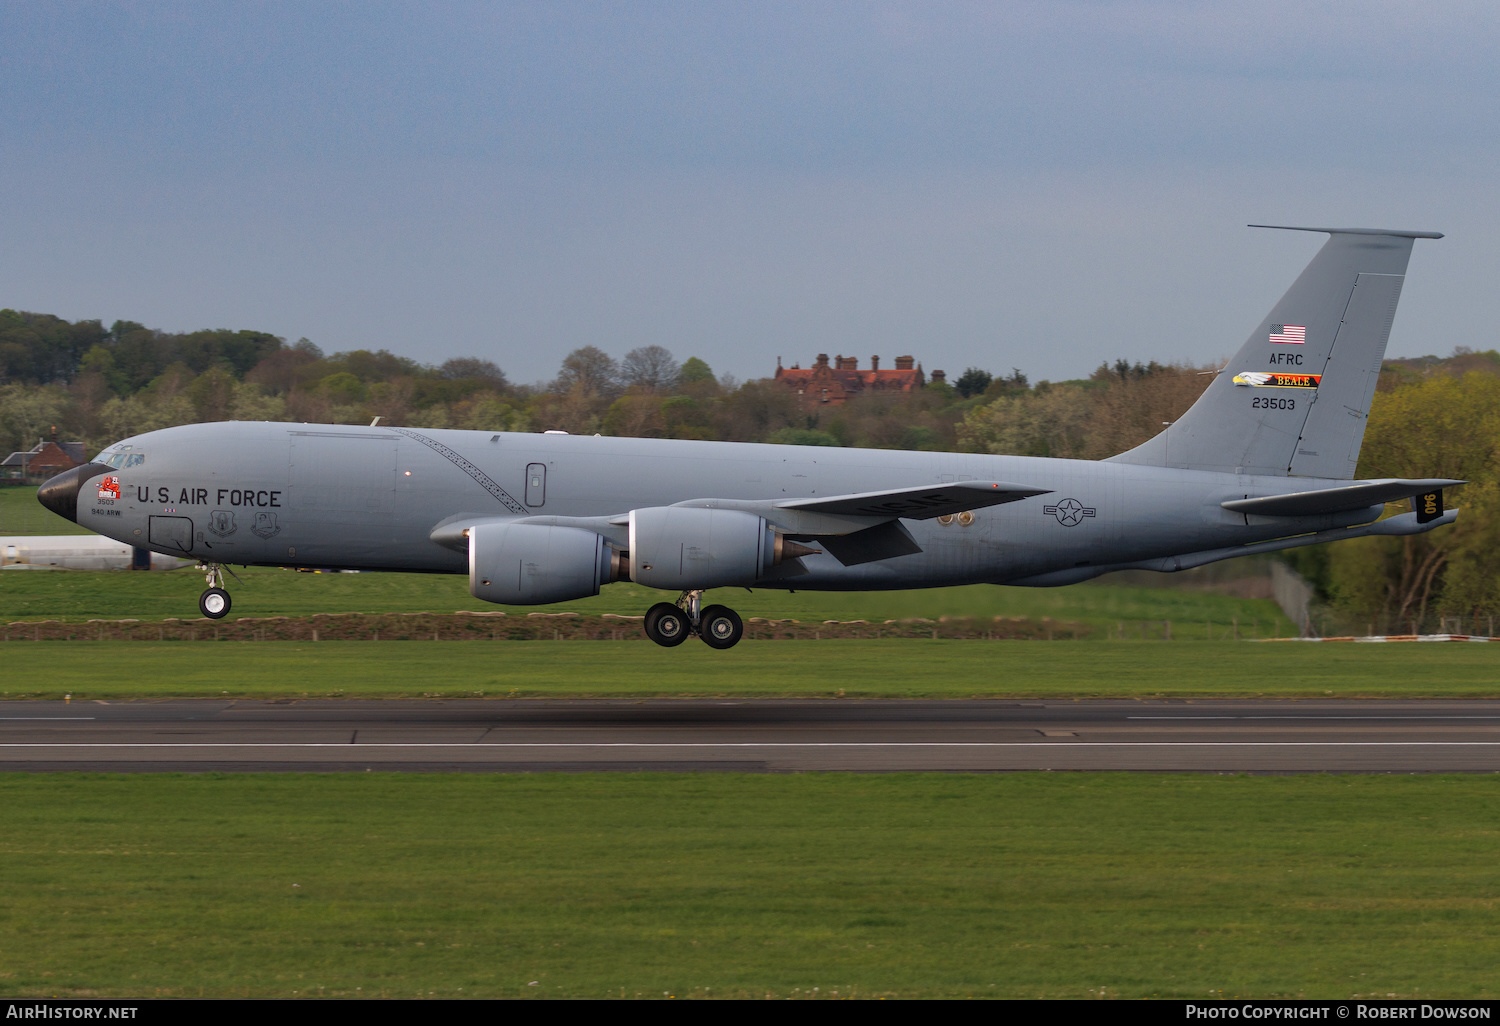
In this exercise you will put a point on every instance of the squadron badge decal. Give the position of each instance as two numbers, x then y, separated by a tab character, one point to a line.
265	525
109	488
221	522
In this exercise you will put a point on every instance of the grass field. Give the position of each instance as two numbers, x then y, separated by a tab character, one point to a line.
718	885
721	885
891	669
78	595
20	513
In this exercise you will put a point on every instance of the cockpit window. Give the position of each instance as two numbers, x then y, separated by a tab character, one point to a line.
125	459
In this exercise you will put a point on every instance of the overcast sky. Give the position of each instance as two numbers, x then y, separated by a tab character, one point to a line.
1042	186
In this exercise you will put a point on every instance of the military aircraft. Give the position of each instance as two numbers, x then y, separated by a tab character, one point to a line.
1264	460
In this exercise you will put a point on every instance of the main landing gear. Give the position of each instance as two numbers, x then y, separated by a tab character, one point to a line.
213	603
669	624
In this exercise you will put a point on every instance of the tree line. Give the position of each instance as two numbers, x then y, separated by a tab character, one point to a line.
1433	417
98	384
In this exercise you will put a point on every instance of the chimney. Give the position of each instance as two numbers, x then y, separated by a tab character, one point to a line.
906	363
874	363
938	377
822	359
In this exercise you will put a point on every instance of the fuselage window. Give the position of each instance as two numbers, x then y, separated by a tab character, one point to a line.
536	484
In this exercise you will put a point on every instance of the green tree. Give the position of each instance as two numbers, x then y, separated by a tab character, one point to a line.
28	414
342	388
1441	426
695	372
973	382
637	414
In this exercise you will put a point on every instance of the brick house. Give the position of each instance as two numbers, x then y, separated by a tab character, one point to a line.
834	384
43	460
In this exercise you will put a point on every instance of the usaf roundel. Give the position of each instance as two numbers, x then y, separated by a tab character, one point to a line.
1069	512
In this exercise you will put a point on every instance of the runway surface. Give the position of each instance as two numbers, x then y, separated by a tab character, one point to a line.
755	736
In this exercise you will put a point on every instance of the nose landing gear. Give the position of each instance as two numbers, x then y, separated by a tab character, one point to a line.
669	624
213	603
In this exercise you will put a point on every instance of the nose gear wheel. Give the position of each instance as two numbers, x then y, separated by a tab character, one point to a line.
215	602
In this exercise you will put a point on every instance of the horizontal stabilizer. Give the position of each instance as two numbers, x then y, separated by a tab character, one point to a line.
1399	233
1337	500
917	503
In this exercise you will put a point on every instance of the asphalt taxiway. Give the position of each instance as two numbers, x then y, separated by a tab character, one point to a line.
757	736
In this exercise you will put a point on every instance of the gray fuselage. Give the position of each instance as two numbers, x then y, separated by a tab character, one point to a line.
370	498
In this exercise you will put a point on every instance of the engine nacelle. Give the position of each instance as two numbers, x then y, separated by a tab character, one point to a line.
687	548
530	564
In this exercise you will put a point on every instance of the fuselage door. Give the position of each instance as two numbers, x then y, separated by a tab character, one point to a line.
536	484
174	533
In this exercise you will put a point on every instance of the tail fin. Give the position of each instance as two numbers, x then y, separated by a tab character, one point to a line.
1295	398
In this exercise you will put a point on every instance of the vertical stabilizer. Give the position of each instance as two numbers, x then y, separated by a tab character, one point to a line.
1295	398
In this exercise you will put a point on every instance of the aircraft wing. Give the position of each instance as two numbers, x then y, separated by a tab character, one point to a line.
855	528
1338	500
917	503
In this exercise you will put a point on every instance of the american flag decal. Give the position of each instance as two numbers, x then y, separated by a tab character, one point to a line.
1296	334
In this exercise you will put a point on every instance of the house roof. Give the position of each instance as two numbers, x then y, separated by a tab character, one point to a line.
824	383
47	454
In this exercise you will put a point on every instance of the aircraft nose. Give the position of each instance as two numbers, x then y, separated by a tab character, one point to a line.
60	494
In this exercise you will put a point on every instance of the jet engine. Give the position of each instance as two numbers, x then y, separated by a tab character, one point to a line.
690	548
530	564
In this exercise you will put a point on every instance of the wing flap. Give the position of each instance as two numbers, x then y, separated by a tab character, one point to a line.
883	541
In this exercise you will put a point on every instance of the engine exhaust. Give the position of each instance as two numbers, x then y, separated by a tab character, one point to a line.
788	549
